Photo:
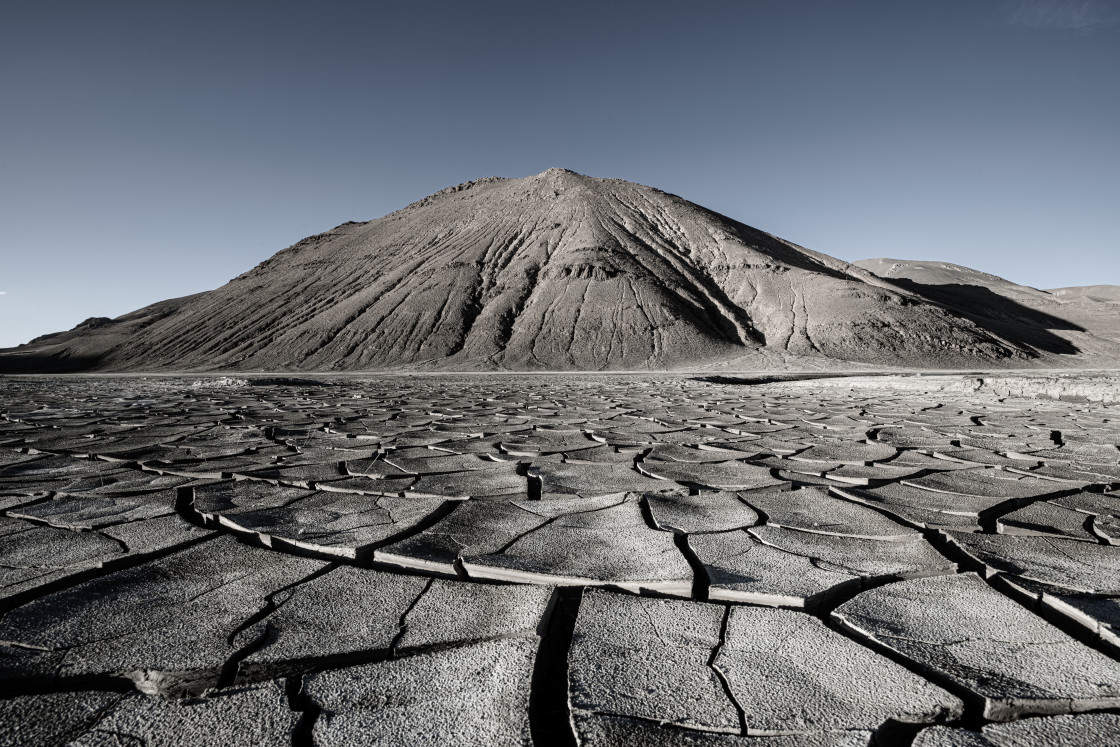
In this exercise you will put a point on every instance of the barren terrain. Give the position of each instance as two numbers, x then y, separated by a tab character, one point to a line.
565	272
560	559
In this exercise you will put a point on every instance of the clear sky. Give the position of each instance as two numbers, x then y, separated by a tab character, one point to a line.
150	150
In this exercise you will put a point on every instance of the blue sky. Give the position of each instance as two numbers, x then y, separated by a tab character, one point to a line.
152	150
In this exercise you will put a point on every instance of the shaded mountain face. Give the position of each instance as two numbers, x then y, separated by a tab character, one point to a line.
555	271
88	346
946	274
1066	321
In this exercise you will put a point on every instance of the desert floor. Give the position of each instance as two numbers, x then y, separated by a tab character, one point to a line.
560	559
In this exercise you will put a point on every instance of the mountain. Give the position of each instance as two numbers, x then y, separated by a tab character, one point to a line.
946	274
1097	293
557	271
1066	322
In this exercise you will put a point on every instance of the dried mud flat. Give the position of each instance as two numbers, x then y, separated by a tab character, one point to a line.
555	559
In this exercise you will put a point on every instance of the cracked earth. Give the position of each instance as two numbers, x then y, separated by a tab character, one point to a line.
555	560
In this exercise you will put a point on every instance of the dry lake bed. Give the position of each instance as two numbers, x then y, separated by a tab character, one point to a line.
557	560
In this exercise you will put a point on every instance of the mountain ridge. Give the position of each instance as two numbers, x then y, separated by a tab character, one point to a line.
1077	324
556	271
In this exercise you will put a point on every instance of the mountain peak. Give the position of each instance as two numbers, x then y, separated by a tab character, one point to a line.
557	271
557	177
557	171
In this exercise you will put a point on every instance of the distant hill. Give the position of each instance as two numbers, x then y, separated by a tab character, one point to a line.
945	273
1074	324
557	271
1097	293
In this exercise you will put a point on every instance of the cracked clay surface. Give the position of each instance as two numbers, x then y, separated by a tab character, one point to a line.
555	560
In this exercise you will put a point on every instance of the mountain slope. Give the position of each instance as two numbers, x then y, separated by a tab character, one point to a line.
946	273
86	346
555	271
1097	293
1066	321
